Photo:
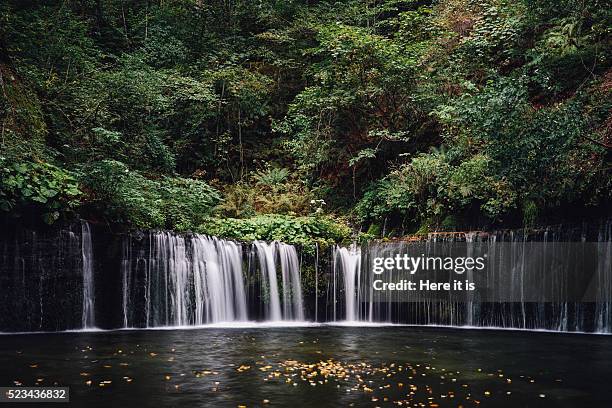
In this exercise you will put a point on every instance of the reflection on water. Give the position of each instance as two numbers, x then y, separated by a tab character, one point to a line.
314	366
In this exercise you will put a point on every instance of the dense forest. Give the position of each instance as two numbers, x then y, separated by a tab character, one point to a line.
305	120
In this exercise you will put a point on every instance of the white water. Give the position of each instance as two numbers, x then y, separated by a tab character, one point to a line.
348	262
88	318
525	313
266	253
219	286
604	280
197	280
293	305
292	301
126	275
172	280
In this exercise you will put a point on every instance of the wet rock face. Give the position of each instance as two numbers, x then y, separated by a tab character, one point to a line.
40	279
81	276
157	278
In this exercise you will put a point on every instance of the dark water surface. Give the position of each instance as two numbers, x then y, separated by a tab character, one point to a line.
315	367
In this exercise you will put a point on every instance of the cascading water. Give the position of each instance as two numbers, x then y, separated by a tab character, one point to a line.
266	253
347	261
41	279
176	274
183	281
603	311
535	301
293	305
166	279
292	300
88	317
219	283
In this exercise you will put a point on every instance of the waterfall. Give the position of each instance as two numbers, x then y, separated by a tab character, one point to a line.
292	300
126	276
266	253
349	262
88	318
42	278
178	279
316	288
554	279
218	279
293	305
603	312
175	280
164	279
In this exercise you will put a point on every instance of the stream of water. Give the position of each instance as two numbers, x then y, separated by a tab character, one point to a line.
165	279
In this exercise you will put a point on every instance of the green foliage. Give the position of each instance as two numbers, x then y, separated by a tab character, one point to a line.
535	151
271	190
271	177
304	231
186	202
361	84
23	128
409	191
126	196
245	200
530	213
431	188
507	138
26	184
403	113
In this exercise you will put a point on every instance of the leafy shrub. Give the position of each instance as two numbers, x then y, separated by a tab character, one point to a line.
271	177
409	191
270	191
474	181
39	185
122	195
128	197
186	202
238	201
430	188
305	231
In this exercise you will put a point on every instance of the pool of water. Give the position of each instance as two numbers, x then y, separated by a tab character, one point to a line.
314	366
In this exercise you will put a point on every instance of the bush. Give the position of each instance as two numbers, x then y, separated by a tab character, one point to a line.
409	191
429	188
186	202
38	185
305	231
271	190
126	196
